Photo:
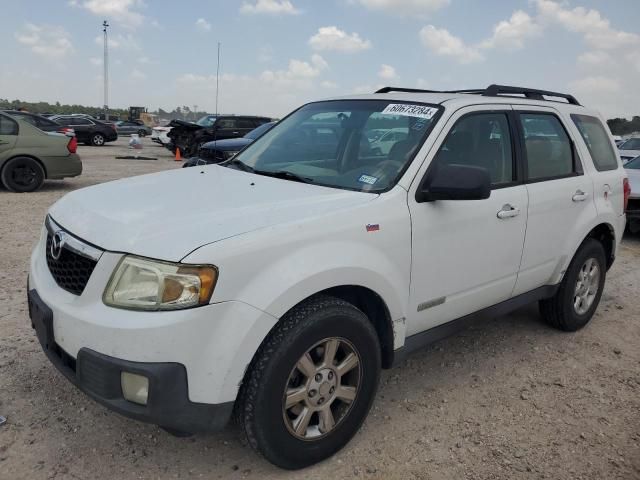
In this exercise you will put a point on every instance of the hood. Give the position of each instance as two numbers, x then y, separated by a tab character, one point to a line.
228	144
167	215
183	124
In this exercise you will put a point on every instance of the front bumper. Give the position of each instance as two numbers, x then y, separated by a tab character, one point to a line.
201	352
98	376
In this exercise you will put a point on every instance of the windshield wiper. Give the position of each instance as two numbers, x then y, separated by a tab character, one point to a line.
284	175
239	164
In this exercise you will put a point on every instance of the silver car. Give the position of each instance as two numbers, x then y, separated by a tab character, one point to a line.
629	149
633	209
125	127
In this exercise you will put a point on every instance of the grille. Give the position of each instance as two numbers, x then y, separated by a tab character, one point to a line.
71	271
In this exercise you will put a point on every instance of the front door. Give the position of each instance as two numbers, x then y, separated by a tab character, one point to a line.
466	253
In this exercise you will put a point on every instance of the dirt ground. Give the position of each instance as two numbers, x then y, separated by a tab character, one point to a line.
508	398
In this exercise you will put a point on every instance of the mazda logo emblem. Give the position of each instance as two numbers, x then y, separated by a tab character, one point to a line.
57	242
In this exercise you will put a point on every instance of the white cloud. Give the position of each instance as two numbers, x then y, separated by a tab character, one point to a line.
422	83
203	25
596	58
366	89
137	75
441	42
269	6
387	72
121	11
328	84
48	41
510	34
298	73
95	61
424	7
596	29
332	38
596	85
119	41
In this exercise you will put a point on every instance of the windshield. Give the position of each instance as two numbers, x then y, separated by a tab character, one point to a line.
633	164
631	144
207	121
340	143
256	132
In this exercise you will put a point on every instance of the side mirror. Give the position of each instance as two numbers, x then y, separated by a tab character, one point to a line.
455	182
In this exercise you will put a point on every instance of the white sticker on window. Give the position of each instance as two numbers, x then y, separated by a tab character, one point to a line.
368	179
409	110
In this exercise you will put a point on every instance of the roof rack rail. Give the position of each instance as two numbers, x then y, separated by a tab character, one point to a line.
493	91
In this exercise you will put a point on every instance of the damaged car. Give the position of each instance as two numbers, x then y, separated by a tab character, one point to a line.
189	137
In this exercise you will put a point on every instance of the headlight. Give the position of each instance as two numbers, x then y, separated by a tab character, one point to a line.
141	284
228	154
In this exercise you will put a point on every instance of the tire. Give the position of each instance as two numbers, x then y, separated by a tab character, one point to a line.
305	332
22	174
97	140
565	311
142	133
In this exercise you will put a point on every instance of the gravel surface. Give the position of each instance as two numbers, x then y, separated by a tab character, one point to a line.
508	398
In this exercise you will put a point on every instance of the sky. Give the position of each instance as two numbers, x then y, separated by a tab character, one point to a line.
279	54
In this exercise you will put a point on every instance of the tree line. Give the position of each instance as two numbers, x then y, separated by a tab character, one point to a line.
183	113
622	126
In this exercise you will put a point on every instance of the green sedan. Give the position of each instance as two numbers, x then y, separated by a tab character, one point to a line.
28	155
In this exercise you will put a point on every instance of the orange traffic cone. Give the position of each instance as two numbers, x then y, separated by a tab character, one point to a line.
178	156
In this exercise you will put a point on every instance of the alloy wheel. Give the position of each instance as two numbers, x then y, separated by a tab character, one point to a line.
587	286
321	388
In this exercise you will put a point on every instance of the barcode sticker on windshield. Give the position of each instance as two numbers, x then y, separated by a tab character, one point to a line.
409	110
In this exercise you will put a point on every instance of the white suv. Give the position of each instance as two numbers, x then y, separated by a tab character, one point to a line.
279	283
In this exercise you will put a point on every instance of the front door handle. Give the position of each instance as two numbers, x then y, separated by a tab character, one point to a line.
508	211
579	196
2	142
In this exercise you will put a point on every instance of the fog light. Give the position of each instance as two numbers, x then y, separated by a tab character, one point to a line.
135	388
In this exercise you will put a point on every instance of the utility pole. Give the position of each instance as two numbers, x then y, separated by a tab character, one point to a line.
217	78
105	64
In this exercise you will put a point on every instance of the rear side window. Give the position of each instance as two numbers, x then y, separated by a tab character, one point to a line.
80	121
598	142
8	126
547	146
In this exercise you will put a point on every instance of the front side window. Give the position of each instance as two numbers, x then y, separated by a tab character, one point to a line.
480	140
80	121
597	140
227	123
547	146
8	126
330	143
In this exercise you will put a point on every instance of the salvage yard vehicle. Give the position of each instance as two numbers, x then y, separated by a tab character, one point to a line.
308	269
629	149
89	130
633	210
190	137
29	155
43	123
221	150
159	135
125	127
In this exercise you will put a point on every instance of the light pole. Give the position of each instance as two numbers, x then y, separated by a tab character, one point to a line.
105	64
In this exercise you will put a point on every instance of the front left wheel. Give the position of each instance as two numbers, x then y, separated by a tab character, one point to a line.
311	383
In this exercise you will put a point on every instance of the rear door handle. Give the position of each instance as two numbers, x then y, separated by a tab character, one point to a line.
579	196
508	211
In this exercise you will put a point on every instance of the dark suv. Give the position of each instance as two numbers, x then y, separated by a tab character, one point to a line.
88	130
189	137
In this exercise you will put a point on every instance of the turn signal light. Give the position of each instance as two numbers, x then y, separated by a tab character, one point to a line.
627	192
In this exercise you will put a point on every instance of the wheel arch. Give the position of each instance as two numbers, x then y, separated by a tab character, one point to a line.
33	157
605	234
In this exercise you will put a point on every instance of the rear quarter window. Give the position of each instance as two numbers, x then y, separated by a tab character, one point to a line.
597	139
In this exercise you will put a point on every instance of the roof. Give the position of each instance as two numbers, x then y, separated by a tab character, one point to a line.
494	94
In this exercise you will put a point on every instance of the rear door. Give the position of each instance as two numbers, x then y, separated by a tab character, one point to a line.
8	136
227	128
560	196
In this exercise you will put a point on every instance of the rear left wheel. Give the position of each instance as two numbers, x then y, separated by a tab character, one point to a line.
311	383
142	133
22	174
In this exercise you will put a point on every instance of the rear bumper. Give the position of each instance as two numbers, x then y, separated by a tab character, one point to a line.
98	376
63	167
